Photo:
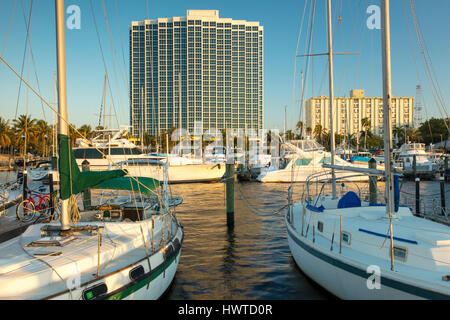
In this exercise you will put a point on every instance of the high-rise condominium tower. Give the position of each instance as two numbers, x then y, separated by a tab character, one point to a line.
205	68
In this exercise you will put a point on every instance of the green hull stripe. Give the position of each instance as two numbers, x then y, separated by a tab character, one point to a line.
127	290
424	293
132	287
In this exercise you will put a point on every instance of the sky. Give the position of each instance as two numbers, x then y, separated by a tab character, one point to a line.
285	37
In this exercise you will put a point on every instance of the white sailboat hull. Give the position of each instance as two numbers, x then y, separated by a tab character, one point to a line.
77	270
341	283
362	270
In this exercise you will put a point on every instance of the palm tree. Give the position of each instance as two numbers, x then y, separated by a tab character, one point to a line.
86	131
147	139
25	131
5	133
318	133
42	134
399	133
300	126
413	134
365	124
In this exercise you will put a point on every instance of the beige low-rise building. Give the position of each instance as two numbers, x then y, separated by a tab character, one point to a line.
349	112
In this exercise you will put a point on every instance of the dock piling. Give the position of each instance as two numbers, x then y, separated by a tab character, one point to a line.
86	193
52	206
442	182
417	196
230	193
373	182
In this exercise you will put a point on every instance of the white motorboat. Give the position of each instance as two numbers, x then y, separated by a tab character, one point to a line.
302	158
107	147
180	169
404	158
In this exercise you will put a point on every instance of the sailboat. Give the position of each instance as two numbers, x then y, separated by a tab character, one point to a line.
127	250
365	250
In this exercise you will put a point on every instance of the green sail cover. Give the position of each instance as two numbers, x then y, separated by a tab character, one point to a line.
143	185
71	180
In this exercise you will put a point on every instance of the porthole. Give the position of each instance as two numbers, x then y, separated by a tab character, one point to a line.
346	237
176	245
400	253
137	273
95	292
320	226
168	253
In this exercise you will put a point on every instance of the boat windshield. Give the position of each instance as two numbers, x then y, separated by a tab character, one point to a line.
306	145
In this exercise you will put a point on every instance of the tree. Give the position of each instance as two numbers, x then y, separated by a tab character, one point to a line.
399	134
300	126
85	131
5	133
318	133
365	124
431	130
24	130
42	134
413	134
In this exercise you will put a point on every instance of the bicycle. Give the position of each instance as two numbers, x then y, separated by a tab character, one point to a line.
27	210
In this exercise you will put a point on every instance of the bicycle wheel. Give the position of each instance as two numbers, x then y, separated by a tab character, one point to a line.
25	211
44	207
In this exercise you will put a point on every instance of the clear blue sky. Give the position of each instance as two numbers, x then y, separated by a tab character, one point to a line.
281	21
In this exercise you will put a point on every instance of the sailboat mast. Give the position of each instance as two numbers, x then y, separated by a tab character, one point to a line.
387	94
331	113
104	101
63	128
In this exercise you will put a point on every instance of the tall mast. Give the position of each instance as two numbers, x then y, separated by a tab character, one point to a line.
387	94
63	128
142	118
104	101
179	112
331	113
301	107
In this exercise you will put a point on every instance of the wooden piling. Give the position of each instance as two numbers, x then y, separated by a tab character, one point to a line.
442	182
86	193
52	204
373	182
230	193
417	196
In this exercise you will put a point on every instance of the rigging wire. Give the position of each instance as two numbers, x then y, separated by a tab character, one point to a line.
9	28
307	52
23	58
436	90
295	60
415	60
30	52
114	58
102	54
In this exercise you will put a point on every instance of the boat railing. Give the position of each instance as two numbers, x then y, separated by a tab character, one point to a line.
317	183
